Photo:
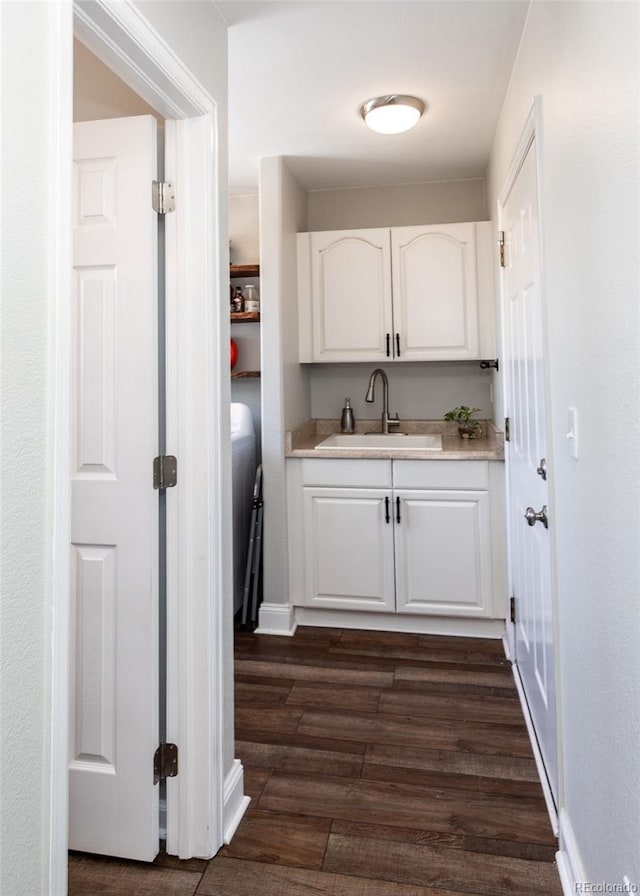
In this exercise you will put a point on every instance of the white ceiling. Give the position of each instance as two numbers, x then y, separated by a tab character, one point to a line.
299	71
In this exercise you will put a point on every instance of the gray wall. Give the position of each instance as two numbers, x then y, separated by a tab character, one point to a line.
438	202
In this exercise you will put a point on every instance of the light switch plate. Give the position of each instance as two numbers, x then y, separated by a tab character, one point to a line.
572	433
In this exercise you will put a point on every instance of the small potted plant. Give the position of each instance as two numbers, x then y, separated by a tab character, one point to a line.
467	427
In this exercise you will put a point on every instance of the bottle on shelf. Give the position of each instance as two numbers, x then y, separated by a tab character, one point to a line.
251	299
238	300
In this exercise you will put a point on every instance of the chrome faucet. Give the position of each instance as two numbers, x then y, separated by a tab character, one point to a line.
386	420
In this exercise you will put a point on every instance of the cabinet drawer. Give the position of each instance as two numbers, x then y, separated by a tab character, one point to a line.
452	474
340	472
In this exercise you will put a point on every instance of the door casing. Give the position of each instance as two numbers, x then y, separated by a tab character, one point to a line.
122	38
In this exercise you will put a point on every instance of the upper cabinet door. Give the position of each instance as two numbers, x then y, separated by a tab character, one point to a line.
435	300
350	273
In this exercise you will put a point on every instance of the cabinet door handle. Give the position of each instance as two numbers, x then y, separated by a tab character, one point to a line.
387	516
397	345
397	510
388	345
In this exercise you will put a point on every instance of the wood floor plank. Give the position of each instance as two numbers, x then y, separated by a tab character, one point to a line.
473	737
434	866
329	674
464	644
317	742
235	877
363	699
513	768
538	852
424	655
279	839
298	759
360	638
463	708
471	783
264	694
494	677
260	718
92	875
431	809
255	780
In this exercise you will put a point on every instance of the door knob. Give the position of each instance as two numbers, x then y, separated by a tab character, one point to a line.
532	517
542	469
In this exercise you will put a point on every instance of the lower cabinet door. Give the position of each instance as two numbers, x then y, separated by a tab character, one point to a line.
442	550
348	549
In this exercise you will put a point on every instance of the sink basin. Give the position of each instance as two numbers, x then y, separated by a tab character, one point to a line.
376	441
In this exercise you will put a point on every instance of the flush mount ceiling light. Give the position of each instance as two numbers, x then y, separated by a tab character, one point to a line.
392	114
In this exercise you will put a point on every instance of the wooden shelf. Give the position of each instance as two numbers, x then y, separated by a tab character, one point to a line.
245	375
246	317
244	270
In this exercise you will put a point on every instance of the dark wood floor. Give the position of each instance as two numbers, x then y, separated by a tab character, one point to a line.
378	765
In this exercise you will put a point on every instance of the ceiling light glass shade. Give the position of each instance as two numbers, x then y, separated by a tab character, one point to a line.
392	114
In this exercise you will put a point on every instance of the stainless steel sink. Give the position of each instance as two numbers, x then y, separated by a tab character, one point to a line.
371	441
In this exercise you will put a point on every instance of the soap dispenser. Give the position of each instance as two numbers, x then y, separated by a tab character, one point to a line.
348	421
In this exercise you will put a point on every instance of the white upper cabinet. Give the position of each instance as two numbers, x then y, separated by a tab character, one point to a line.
351	287
435	301
401	293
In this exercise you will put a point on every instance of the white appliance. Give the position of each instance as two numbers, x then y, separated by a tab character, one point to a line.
243	461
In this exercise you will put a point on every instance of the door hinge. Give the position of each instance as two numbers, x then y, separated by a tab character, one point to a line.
165	762
507	429
163	197
165	471
512	609
503	263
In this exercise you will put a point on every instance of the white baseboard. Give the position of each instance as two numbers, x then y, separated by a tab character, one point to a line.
537	755
235	802
396	622
570	867
276	619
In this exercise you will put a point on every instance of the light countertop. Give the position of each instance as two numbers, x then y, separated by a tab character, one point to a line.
302	440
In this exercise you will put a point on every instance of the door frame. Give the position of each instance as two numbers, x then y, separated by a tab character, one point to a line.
196	559
533	131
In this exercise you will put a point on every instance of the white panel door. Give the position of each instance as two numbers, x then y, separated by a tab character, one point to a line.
530	548
351	295
114	552
435	295
443	552
348	550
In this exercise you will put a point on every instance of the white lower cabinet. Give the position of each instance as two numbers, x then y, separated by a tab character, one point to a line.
442	552
409	537
348	552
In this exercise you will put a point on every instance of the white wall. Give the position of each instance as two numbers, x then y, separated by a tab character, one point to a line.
286	397
31	173
435	202
582	58
244	229
36	54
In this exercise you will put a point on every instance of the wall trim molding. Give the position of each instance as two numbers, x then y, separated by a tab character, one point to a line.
235	803
570	867
276	619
